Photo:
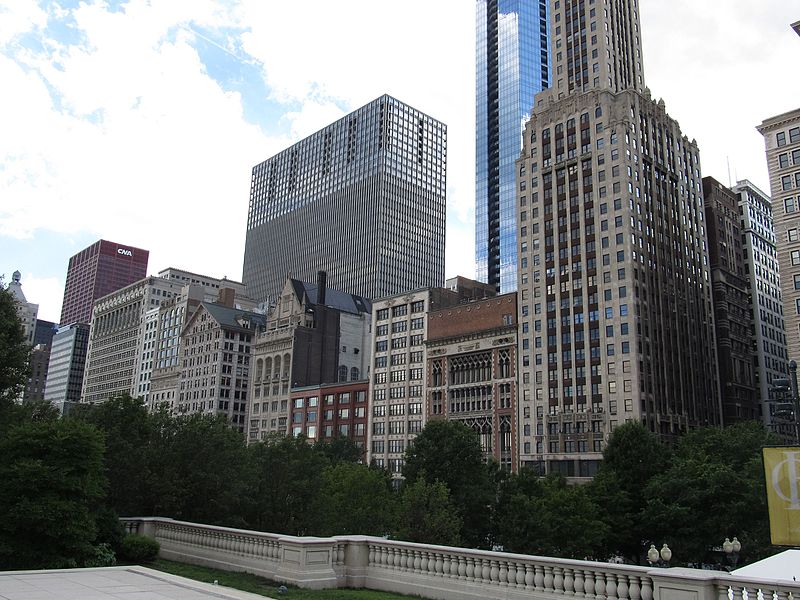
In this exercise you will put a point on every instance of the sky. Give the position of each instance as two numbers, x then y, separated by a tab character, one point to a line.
140	121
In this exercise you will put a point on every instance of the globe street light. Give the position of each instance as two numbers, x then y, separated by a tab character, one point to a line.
659	559
732	549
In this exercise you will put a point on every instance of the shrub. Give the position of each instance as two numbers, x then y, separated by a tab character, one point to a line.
103	557
138	549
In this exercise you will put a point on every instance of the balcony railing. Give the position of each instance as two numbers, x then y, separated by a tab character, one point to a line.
438	572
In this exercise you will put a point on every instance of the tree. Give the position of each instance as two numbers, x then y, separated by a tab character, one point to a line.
339	449
449	452
358	500
130	434
14	352
428	515
545	516
286	479
632	457
199	468
52	487
713	489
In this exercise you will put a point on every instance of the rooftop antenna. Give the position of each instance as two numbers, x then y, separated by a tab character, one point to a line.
728	160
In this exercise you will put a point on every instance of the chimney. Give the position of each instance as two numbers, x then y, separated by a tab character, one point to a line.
322	278
227	297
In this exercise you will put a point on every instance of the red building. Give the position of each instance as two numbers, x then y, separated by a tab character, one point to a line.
96	271
323	412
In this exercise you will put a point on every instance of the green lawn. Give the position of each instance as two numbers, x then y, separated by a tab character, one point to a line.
265	587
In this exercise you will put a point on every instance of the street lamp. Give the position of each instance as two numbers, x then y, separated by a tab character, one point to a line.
659	559
732	549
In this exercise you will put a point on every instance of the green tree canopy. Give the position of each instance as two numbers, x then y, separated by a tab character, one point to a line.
52	487
632	457
357	500
449	452
14	352
713	489
428	515
285	484
545	516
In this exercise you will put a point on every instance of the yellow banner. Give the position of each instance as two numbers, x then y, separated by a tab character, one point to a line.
782	472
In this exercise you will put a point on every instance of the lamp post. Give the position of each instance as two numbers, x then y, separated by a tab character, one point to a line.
732	549
658	558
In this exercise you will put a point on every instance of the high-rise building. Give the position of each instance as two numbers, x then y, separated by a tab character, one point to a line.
782	141
764	288
96	271
732	308
362	199
512	66
614	281
113	360
66	366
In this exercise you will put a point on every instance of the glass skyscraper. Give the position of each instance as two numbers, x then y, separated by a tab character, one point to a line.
362	199
512	64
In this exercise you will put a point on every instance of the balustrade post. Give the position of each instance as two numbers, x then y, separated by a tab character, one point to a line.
611	586
558	579
538	578
569	582
502	575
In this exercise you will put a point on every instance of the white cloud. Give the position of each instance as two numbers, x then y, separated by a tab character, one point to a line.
18	17
47	292
123	132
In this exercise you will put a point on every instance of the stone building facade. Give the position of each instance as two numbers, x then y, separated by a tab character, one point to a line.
397	411
764	289
614	283
471	372
782	142
311	332
215	369
117	328
732	311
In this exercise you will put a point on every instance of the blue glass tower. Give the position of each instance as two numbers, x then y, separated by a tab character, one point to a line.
512	62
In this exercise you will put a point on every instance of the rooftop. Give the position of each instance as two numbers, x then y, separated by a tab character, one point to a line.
110	583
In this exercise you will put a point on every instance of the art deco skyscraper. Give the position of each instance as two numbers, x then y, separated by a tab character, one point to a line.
512	59
362	199
614	283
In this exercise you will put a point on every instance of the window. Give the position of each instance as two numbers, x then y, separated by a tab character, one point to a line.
418	306
797	282
794	135
795	255
382	314
786	182
400	310
783	161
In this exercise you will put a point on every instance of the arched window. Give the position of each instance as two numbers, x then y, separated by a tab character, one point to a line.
342	373
354	373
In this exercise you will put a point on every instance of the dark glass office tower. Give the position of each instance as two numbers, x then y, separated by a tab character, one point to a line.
362	199
512	66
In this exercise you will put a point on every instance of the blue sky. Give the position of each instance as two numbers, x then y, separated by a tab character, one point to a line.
139	121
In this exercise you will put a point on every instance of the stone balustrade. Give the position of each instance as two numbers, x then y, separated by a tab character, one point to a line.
438	572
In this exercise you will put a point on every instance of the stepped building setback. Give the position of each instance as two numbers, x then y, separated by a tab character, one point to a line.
362	199
614	279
